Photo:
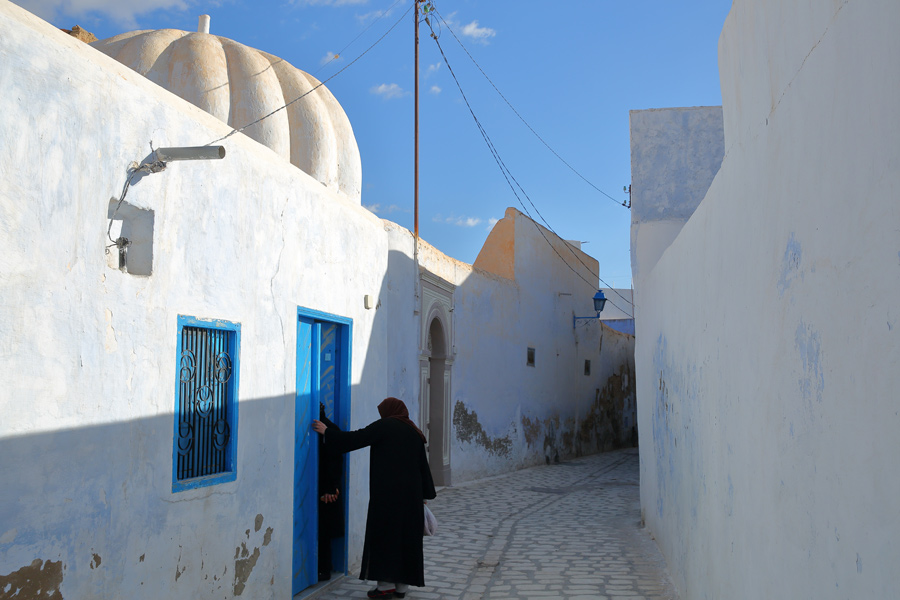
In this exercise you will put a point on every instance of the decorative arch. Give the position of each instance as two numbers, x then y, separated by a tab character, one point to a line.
436	352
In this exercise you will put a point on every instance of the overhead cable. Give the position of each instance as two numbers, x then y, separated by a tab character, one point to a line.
370	25
510	179
521	118
305	94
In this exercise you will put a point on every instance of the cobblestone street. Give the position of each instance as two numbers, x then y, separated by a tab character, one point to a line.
569	530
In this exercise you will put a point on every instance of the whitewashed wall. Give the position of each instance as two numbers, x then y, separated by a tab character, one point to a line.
505	414
89	351
675	154
768	422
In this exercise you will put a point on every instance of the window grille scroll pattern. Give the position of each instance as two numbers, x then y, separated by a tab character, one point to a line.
204	430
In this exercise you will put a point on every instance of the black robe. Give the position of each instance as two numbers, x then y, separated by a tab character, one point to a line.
331	515
399	481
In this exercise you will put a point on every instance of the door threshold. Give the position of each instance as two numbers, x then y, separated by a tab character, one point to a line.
314	591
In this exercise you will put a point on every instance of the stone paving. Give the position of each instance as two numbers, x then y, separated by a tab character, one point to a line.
569	530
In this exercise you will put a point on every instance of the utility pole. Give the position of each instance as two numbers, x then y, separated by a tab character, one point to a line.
416	93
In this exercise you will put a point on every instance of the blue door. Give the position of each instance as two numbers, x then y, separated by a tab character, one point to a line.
323	377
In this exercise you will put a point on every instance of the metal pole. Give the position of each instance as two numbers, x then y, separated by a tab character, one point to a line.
416	168
190	153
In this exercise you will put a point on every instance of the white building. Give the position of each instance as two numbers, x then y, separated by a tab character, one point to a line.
767	349
155	437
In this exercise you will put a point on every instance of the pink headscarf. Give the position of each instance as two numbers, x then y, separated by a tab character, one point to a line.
393	408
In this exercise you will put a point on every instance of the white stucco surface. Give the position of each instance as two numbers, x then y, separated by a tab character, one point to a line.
87	422
507	414
86	436
767	424
675	154
619	303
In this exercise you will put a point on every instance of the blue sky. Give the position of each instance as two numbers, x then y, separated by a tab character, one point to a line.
572	70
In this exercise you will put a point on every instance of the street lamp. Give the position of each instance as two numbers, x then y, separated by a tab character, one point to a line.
160	157
599	304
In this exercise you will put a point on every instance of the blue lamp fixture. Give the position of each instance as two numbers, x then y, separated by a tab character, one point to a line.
599	303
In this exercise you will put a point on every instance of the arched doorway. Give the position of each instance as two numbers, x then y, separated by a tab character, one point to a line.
438	447
435	365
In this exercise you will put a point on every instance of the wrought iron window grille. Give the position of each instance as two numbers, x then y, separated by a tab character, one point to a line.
206	404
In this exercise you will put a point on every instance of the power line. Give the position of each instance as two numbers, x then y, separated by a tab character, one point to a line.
510	179
542	140
305	94
372	24
521	118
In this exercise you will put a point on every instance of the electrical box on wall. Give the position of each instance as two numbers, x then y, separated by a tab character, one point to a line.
135	226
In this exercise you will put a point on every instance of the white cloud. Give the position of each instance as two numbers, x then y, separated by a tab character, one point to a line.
378	209
458	221
123	12
435	90
433	68
330	56
372	16
327	2
369	16
491	222
388	91
478	34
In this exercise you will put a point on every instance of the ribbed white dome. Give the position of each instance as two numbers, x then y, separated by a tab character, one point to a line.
238	85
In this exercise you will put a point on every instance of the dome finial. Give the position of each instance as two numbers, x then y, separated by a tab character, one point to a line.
203	25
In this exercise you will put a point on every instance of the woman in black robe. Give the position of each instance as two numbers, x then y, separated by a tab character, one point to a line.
399	483
331	512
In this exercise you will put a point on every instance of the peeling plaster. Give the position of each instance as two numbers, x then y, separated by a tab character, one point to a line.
675	407
790	265
532	430
809	346
242	569
244	565
602	429
38	580
178	568
468	429
9	537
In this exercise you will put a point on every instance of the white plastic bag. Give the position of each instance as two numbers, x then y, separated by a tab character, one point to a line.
430	522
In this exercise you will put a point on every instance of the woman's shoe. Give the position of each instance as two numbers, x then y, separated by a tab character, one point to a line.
376	593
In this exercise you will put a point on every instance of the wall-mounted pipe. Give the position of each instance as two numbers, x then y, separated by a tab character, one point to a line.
190	153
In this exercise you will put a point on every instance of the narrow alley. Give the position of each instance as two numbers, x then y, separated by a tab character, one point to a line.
569	530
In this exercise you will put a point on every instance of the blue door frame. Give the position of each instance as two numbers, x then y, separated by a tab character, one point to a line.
323	375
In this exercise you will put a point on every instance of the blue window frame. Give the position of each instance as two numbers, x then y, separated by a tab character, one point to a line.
206	403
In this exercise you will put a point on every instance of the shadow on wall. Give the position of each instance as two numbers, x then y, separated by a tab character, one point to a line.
608	425
96	504
89	512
